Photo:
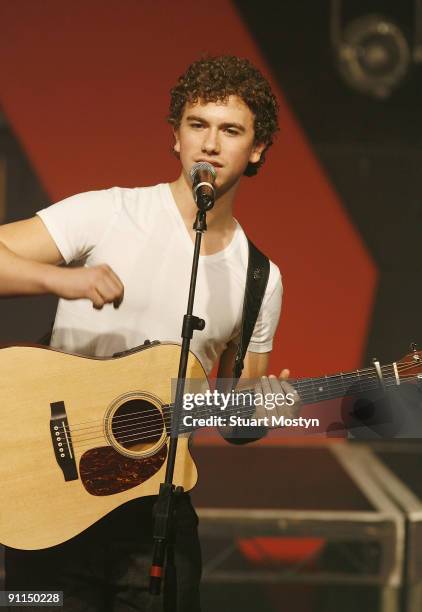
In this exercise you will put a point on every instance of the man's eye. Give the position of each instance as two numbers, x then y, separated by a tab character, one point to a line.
232	131
196	125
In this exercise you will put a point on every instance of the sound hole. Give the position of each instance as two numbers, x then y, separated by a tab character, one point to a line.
137	425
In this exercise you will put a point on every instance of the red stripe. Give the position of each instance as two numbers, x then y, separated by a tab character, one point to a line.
86	89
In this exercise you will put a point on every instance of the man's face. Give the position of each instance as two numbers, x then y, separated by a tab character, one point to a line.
221	133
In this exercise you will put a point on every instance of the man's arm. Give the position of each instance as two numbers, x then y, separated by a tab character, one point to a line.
29	265
255	366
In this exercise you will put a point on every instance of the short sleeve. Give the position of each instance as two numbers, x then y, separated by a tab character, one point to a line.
78	223
269	314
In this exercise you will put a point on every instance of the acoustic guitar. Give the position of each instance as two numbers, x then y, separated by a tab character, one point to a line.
81	436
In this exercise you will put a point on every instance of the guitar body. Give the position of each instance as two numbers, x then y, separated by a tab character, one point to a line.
81	436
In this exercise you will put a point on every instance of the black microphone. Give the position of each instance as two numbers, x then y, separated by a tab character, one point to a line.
203	176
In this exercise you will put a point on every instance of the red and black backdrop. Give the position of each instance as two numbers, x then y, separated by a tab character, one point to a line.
84	91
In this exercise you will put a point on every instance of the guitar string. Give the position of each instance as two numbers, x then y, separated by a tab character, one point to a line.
305	395
300	385
140	419
166	419
143	431
155	432
198	412
144	425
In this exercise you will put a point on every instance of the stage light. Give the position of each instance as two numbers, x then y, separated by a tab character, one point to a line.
372	52
374	55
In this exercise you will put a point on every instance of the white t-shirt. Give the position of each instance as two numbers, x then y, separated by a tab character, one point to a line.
140	234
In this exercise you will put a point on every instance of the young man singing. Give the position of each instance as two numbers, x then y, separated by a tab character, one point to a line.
133	252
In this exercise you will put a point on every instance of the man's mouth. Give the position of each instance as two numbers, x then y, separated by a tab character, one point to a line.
208	161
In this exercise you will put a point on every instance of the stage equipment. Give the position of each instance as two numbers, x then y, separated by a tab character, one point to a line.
346	529
164	507
372	52
396	465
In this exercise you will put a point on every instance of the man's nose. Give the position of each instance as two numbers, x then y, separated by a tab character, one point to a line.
211	143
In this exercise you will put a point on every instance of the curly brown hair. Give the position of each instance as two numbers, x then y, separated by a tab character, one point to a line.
214	79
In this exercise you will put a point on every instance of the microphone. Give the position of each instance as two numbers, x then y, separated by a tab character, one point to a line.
203	176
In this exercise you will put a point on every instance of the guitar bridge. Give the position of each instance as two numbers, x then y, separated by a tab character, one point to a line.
62	441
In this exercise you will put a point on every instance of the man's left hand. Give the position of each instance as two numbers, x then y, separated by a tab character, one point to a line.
288	402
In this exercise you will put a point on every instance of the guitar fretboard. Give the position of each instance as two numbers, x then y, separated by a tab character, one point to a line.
314	390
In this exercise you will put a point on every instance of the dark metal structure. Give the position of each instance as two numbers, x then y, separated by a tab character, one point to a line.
322	491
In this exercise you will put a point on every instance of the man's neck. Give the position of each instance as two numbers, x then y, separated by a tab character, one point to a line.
220	222
218	219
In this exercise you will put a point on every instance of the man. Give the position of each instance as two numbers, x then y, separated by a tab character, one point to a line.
133	252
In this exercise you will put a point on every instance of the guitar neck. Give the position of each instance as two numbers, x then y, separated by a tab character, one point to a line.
313	390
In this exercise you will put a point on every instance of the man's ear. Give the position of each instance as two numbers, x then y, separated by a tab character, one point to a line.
176	147
256	152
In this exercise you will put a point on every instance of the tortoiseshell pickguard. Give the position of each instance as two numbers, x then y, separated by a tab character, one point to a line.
104	471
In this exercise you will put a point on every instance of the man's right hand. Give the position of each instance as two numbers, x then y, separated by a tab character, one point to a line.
29	265
97	283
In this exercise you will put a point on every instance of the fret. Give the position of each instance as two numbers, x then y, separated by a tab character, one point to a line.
327	383
359	380
310	382
307	390
296	384
342	382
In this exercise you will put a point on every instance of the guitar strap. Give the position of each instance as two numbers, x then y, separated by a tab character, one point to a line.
256	283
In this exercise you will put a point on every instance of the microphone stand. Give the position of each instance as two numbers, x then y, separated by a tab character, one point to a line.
164	507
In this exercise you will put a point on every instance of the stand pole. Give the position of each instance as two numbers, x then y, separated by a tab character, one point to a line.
164	507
